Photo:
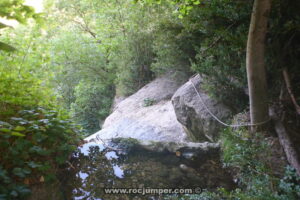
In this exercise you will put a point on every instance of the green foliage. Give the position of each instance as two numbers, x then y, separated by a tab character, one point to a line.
135	54
245	153
75	58
212	38
92	104
133	64
221	29
148	102
183	6
289	184
33	144
283	46
14	9
83	79
93	50
221	54
21	73
173	46
249	156
205	195
101	46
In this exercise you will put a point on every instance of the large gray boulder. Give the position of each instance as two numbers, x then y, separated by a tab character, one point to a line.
192	114
146	115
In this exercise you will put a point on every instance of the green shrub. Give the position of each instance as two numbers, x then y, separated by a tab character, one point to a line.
221	55
148	102
24	80
34	144
133	60
92	104
174	46
247	155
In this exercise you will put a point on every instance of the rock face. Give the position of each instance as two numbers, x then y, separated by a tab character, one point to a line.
193	115
146	115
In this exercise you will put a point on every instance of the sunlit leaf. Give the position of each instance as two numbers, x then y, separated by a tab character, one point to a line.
20	128
196	2
5	130
17	134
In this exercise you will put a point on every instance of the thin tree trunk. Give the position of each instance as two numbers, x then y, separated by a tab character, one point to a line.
256	72
286	142
289	89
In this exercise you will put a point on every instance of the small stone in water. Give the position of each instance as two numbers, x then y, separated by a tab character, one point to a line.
183	167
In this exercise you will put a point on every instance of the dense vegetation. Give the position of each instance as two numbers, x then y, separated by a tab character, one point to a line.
250	155
66	65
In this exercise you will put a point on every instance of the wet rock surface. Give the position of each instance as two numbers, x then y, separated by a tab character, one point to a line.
127	163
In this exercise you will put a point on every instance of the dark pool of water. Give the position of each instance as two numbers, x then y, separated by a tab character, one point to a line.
96	168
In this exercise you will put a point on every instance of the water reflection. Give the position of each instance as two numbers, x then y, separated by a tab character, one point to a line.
118	171
111	155
97	167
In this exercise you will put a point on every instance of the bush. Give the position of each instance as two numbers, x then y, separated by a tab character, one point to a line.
248	157
92	104
24	80
34	144
221	55
174	46
133	61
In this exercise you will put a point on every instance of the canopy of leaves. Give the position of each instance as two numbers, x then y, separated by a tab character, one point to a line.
14	10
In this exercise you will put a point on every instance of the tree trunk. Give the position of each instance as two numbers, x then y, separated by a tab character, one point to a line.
256	72
286	141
